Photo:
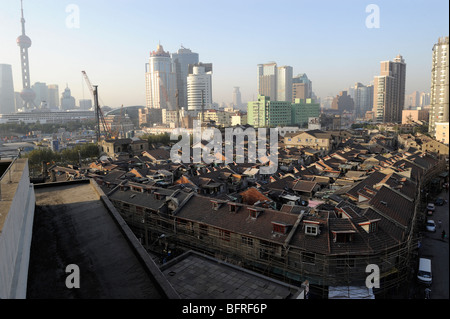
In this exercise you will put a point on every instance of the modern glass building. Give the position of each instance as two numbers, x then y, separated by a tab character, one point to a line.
182	59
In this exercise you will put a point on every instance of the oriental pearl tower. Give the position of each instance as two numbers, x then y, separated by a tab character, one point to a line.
24	42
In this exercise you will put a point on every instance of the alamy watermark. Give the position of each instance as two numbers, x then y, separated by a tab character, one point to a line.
73	279
219	150
73	17
373	279
373	19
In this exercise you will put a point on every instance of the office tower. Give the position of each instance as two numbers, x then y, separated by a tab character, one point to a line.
267	80
182	59
199	87
7	103
343	103
301	87
67	100
284	83
439	85
237	101
24	42
160	81
53	96
41	91
389	91
85	104
363	98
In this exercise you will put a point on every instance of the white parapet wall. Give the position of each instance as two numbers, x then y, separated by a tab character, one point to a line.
17	205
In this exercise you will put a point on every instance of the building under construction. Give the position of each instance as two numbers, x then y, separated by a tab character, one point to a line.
330	245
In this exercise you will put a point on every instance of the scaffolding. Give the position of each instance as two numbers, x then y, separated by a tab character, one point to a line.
162	233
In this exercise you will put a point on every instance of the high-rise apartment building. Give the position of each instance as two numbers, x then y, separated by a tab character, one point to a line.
267	80
53	96
199	87
181	60
284	83
301	87
160	81
7	102
439	112
389	91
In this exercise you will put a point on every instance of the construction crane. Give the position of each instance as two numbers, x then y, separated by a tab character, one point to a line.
98	111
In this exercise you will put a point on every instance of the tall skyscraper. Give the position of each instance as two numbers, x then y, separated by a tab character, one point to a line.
284	83
7	103
53	96
199	87
161	81
182	59
237	101
24	42
41	91
301	87
439	85
389	91
67	100
267	80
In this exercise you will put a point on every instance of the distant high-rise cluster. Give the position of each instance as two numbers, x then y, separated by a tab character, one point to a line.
279	84
176	82
439	112
389	91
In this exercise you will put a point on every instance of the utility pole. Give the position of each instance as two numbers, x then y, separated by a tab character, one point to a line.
97	112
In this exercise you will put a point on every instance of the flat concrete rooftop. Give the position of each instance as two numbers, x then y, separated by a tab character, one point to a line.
75	223
197	276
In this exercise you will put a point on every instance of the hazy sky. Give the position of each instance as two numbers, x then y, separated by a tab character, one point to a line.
327	40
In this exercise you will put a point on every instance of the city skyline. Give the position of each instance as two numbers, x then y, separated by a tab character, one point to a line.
112	41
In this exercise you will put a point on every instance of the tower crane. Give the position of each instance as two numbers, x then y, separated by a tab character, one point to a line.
98	111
